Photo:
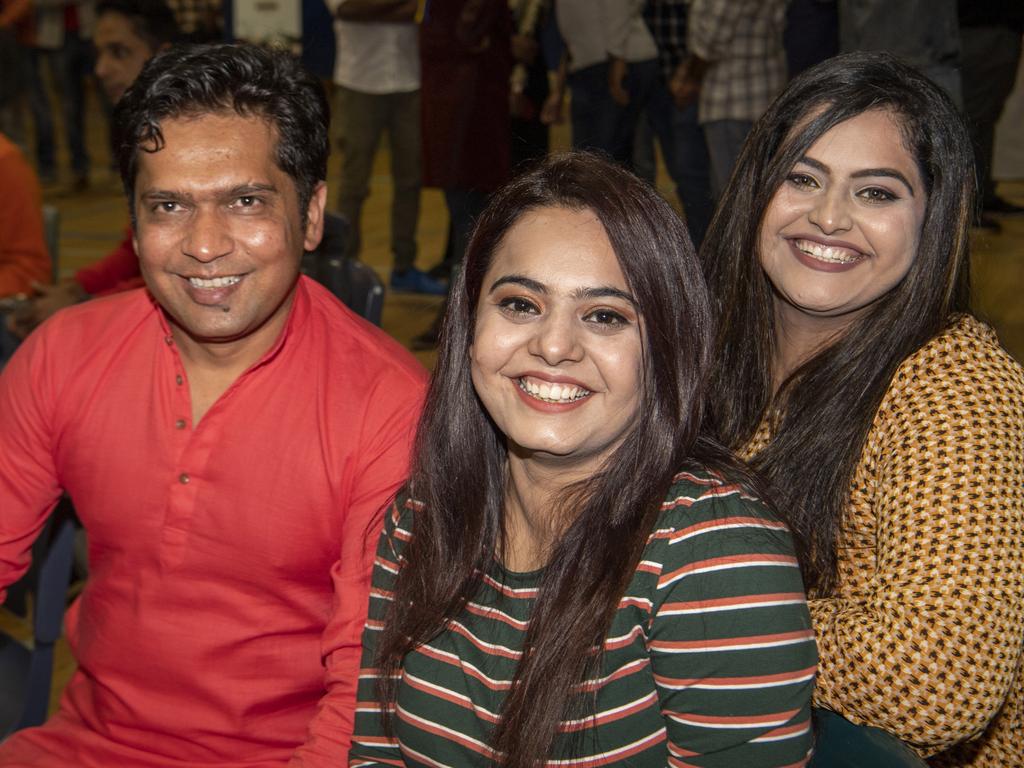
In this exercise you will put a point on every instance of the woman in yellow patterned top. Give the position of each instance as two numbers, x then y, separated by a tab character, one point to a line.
888	419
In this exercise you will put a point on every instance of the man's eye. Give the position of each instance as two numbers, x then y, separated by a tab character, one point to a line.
166	206
248	201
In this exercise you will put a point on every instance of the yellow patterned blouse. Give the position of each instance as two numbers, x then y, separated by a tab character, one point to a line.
923	636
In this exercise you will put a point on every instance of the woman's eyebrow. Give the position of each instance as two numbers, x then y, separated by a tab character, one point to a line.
890	173
527	282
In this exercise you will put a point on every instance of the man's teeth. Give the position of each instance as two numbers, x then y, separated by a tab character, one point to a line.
828	253
552	393
214	282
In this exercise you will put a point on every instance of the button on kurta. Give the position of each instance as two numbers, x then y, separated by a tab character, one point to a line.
183	478
179	424
179	379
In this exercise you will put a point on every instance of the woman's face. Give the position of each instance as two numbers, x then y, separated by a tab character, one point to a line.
556	356
842	229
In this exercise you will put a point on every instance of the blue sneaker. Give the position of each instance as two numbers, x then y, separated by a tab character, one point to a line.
413	280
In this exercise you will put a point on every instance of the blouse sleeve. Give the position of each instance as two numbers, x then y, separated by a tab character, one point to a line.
731	644
928	646
370	745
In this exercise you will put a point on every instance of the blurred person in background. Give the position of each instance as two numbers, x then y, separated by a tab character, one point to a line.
735	68
377	74
990	50
24	258
63	38
128	34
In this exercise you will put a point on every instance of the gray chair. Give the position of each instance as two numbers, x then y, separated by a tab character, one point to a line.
27	672
354	283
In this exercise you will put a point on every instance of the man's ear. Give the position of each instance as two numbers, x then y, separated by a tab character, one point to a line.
315	217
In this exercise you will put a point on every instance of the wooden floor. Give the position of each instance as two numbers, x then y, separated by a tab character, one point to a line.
92	222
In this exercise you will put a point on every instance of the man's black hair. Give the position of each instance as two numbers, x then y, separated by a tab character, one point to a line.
191	81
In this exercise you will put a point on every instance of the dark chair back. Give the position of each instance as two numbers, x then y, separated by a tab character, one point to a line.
354	283
27	673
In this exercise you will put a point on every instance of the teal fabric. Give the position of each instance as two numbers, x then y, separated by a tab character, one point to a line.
838	743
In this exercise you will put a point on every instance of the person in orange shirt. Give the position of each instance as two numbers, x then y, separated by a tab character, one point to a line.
24	259
128	34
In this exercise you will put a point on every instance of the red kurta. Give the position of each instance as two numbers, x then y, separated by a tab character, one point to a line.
117	271
229	563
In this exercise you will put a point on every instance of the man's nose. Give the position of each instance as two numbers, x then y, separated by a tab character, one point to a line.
208	237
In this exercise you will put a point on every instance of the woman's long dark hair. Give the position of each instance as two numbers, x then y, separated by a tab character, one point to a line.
827	405
459	469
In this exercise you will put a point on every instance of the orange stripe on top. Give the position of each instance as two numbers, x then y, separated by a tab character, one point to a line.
734	643
731	603
726	562
750	681
732	721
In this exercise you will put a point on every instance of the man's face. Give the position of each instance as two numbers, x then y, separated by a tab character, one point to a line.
120	53
219	232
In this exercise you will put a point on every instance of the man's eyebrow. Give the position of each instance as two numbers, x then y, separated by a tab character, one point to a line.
890	173
596	292
242	190
165	194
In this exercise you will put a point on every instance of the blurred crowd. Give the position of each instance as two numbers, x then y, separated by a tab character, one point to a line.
466	91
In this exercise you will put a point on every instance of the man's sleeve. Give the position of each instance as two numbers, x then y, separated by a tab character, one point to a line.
115	272
711	25
28	478
388	435
24	258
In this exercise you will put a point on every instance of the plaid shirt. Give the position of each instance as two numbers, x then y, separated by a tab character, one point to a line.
742	40
667	21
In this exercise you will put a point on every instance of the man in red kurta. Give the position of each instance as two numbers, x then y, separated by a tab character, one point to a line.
228	435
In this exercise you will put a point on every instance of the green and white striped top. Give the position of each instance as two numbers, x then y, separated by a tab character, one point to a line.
710	659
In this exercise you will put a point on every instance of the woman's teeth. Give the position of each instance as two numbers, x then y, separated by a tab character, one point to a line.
828	253
214	282
552	393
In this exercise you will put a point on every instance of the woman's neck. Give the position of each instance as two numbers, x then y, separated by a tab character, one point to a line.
532	525
799	337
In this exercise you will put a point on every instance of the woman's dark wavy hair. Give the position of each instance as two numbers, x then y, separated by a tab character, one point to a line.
459	468
827	405
189	81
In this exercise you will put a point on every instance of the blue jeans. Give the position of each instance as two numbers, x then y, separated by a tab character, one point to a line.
42	116
641	78
686	157
70	65
591	113
725	140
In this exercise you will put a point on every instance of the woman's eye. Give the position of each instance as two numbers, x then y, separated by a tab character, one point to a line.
606	317
517	305
801	180
877	195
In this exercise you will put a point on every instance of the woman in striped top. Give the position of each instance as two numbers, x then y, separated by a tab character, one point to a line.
573	575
